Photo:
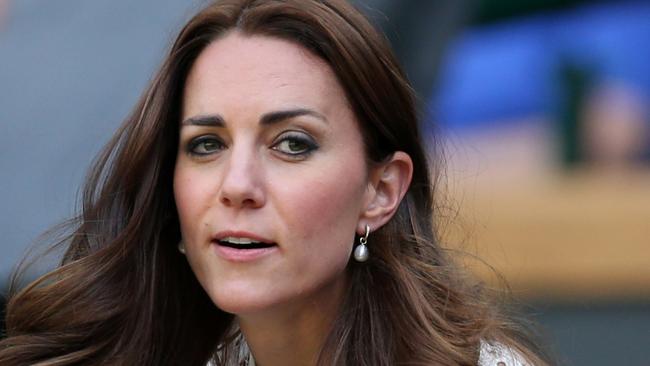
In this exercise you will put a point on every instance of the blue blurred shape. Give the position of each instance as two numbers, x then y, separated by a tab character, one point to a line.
509	71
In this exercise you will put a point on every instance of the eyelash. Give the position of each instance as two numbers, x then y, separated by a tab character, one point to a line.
309	145
196	142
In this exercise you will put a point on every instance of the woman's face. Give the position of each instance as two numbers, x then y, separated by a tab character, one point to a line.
270	179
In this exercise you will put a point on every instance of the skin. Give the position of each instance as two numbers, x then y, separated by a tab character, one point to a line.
299	180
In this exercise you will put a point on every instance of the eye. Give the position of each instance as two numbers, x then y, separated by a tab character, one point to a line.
295	144
204	145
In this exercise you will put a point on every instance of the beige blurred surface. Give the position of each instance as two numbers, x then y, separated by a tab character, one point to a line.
553	235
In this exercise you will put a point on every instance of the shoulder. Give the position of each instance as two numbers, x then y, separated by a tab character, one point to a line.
497	354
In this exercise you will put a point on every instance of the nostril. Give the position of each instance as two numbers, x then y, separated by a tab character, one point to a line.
225	201
248	202
241	190
245	202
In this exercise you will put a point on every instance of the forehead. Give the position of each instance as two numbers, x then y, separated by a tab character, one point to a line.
260	71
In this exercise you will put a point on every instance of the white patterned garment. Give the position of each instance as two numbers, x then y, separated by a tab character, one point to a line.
497	354
491	354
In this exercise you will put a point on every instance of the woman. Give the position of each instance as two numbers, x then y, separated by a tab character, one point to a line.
268	202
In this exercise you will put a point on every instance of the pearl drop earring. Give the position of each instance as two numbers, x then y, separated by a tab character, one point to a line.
361	252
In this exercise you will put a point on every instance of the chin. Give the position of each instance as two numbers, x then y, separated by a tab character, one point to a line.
238	302
239	308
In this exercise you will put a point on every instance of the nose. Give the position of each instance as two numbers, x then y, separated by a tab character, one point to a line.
242	181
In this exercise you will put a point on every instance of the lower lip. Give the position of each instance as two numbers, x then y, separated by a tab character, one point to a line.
243	255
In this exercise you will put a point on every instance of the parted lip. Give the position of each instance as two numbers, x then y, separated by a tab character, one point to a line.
240	234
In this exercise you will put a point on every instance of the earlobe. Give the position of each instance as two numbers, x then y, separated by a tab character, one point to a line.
390	181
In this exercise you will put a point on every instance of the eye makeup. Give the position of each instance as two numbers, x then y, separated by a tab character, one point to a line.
204	145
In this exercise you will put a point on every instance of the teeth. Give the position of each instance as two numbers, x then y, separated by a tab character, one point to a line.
233	240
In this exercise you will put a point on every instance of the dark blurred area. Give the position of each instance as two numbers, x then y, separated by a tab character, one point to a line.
543	108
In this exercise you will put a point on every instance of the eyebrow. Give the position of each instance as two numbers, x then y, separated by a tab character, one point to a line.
270	118
211	120
279	116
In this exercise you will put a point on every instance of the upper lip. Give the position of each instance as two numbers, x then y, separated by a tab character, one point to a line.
240	234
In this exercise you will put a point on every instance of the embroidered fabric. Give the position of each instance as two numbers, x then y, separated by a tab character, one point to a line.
497	354
491	354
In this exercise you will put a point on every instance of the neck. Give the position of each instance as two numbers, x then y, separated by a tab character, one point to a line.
292	334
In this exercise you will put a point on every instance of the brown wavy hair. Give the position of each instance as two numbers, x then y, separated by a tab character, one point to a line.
124	296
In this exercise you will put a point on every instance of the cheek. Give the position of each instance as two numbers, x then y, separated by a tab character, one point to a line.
191	198
327	226
322	211
326	205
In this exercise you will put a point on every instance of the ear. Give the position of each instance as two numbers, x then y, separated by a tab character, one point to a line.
388	183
